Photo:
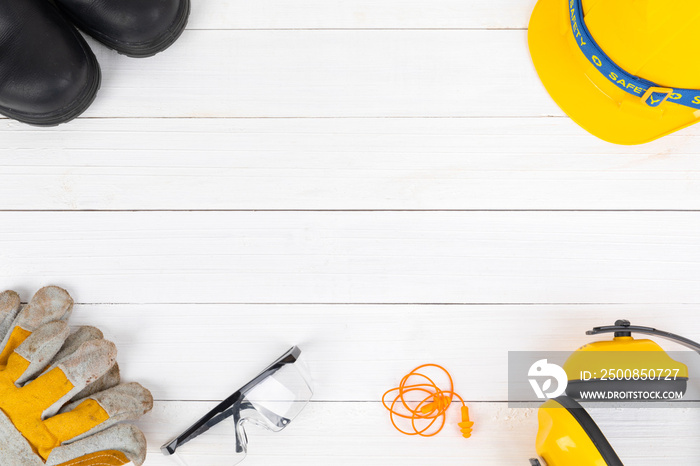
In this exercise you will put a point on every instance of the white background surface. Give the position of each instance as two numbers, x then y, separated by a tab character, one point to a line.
384	183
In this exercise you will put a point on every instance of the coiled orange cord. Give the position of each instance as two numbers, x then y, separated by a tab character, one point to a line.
428	415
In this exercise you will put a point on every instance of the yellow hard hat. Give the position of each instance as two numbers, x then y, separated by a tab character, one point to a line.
625	70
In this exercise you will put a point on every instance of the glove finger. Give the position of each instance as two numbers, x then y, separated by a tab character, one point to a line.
37	351
9	307
109	380
77	338
118	443
49	304
80	419
88	363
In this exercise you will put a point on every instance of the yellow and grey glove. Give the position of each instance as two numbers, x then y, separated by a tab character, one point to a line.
60	398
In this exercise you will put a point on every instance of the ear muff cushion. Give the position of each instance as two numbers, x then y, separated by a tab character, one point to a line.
591	428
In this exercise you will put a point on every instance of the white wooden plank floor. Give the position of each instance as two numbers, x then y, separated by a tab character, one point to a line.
384	183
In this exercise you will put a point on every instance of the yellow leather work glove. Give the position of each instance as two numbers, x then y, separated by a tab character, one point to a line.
60	398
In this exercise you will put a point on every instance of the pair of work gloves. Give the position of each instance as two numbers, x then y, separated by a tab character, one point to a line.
61	400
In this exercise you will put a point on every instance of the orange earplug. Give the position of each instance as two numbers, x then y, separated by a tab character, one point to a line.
466	425
440	403
427	416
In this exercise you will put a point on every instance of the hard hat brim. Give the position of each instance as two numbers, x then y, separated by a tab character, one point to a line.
586	95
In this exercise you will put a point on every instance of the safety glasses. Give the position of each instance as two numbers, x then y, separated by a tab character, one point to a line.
271	401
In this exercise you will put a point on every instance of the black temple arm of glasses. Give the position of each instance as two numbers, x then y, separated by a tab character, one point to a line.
227	408
222	411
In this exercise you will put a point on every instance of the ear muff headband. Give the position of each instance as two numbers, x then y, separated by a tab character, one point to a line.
623	328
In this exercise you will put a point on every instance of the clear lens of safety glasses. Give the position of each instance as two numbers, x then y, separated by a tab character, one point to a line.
271	400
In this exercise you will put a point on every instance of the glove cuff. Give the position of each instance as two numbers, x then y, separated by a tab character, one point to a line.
15	450
123	438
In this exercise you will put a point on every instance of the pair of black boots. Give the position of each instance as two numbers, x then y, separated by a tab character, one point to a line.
48	74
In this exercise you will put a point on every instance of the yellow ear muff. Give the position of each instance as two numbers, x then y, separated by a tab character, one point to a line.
568	436
624	364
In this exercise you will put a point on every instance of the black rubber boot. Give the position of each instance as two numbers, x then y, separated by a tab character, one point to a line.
137	28
48	74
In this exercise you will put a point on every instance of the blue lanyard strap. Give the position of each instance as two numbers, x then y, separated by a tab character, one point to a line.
648	91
